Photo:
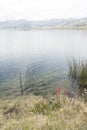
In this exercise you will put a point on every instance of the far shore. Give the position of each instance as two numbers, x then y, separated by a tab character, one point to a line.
45	28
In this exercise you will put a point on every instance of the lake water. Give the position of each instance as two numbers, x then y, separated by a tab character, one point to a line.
40	56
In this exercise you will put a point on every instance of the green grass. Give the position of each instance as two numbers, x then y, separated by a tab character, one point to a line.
36	113
78	74
45	107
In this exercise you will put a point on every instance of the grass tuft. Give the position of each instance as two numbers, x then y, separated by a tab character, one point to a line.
45	107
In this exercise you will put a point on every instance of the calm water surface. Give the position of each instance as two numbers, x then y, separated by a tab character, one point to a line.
40	56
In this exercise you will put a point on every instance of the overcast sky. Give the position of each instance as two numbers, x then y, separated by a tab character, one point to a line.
42	9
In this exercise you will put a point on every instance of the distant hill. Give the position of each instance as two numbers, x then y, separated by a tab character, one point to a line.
80	23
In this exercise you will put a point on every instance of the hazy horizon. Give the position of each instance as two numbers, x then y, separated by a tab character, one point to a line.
20	19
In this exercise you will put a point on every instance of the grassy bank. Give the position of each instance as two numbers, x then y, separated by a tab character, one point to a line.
36	113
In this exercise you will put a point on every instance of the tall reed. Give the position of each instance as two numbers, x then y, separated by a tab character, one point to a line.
78	74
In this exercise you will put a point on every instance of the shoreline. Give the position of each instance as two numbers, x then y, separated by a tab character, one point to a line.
43	28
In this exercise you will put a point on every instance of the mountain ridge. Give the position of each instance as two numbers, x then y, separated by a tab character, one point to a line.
51	23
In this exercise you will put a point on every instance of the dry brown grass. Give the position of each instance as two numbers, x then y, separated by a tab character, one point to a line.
28	113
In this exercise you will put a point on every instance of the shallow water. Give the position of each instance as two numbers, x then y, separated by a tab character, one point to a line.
41	56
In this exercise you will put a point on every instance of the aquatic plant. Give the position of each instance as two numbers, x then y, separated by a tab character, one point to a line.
21	86
78	74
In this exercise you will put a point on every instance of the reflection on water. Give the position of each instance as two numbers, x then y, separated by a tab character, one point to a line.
41	56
